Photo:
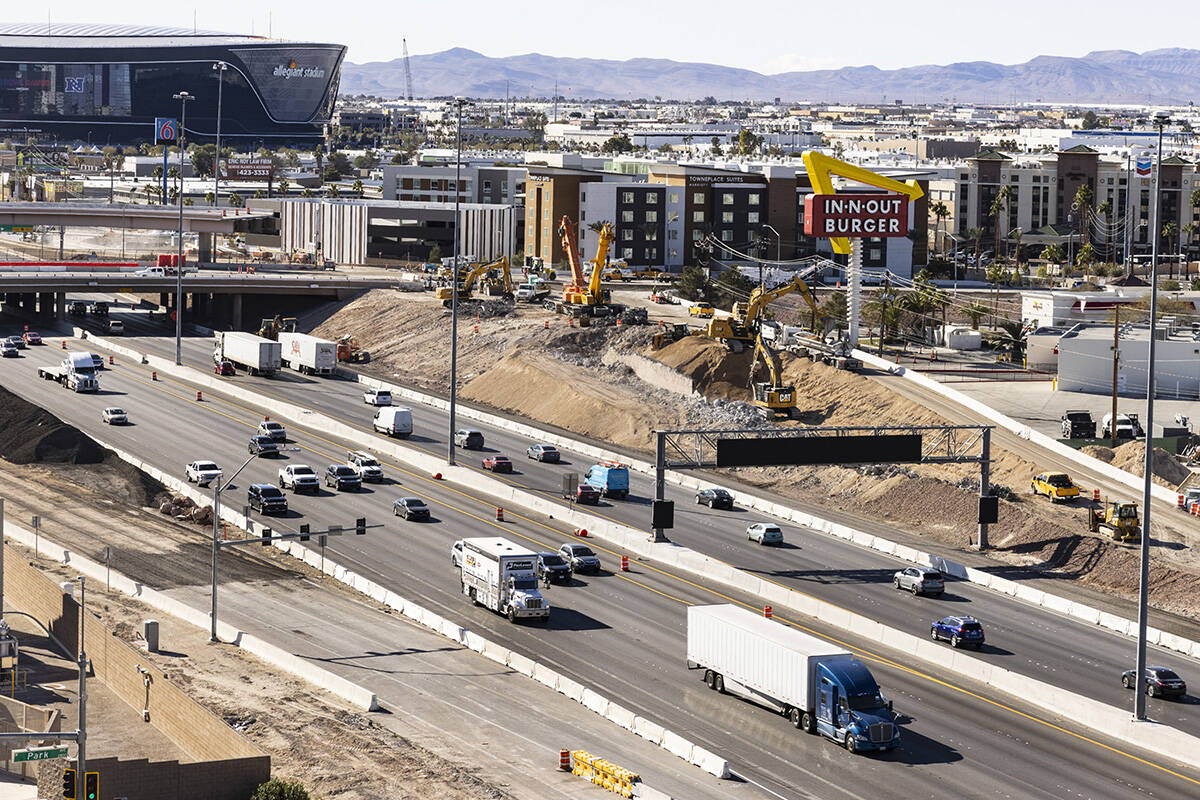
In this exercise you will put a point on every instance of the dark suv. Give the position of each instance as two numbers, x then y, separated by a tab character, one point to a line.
342	477
553	567
266	498
957	631
469	439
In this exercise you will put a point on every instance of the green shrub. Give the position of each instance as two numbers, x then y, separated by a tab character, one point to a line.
276	789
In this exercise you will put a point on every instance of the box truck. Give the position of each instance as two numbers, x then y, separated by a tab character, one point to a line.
307	354
256	355
818	686
503	576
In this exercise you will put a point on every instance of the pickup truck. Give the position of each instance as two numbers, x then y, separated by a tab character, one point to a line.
1078	424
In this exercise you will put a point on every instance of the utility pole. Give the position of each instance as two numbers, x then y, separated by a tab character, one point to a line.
81	742
1128	214
1112	424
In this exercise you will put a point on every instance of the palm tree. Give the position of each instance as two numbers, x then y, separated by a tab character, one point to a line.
940	213
1105	208
307	192
1191	229
358	188
1169	230
210	198
1016	234
834	308
1014	338
235	200
975	312
320	157
332	191
1083	199
284	185
1003	201
976	233
151	190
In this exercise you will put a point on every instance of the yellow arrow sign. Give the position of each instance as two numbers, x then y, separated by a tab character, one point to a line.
821	168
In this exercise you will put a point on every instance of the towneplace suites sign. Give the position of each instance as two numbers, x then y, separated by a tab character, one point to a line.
856	215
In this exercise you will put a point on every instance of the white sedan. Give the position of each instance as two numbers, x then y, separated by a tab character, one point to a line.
114	416
202	472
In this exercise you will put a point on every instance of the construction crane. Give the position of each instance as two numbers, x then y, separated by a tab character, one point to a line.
742	325
576	293
407	71
500	284
773	397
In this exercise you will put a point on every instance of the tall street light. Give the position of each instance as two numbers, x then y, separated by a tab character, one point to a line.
220	68
1161	119
183	98
458	103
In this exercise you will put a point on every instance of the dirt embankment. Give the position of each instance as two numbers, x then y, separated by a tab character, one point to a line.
515	364
31	435
1166	469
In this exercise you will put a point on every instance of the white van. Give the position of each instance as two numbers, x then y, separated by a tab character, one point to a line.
394	421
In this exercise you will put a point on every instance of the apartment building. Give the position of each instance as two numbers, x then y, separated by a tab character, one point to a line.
471	183
1042	200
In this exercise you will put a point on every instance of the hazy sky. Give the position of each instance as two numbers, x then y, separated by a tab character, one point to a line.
766	37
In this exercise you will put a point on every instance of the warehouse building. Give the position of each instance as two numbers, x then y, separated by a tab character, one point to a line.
1085	361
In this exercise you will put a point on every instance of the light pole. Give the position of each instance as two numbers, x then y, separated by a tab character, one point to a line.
1161	119
183	98
220	68
778	249
458	103
216	538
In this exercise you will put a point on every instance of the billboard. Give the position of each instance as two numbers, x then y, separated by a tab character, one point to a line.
856	215
247	169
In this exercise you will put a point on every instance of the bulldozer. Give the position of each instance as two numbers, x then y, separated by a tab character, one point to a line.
349	351
774	398
1119	519
669	333
271	328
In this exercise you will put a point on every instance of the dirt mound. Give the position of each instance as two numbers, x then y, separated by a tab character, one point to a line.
1166	468
30	435
1105	454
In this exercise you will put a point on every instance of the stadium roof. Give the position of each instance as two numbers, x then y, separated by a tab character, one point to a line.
99	30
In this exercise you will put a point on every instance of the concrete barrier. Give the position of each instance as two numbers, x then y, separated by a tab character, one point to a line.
570	688
620	715
596	702
710	762
520	663
648	730
673	743
545	676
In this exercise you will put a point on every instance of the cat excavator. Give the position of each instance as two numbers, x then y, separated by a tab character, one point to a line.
493	277
774	398
741	327
270	328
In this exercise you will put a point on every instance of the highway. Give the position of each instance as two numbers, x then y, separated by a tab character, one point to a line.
622	634
1045	645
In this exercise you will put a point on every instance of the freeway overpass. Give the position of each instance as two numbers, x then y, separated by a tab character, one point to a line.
213	295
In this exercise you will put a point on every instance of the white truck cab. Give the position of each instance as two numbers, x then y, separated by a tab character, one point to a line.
502	576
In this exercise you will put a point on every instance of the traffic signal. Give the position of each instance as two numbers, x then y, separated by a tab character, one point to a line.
266	537
68	784
360	526
91	786
304	537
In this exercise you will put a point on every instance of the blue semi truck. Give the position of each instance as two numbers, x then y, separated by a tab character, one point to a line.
818	687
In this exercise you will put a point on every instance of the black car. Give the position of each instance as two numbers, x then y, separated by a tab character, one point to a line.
266	498
342	477
410	508
553	567
715	498
262	446
1159	682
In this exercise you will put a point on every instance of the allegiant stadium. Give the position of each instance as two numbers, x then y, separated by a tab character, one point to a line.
106	84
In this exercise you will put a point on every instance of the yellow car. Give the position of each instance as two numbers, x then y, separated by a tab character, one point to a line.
700	310
1055	485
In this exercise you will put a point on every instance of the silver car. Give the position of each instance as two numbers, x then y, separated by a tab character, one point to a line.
920	580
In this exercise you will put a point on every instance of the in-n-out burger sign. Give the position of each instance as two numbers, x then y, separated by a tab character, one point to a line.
856	215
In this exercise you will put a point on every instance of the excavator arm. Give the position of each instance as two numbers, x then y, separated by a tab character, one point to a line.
774	397
601	260
759	299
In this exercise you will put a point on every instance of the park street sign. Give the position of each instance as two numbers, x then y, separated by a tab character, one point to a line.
39	754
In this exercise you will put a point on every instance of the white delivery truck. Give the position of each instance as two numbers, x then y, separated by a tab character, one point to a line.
307	354
503	577
76	372
821	688
393	421
256	355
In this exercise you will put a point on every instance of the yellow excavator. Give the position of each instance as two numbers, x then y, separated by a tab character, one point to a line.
773	397
577	292
494	277
270	328
742	325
